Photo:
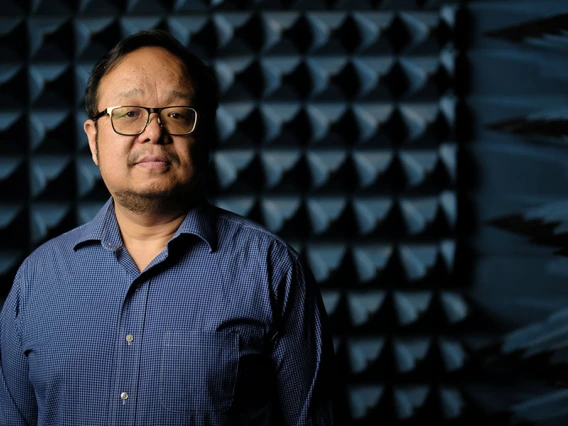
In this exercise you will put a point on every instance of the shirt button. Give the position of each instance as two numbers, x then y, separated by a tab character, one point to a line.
124	396
129	338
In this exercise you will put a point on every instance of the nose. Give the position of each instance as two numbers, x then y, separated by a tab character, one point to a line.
154	130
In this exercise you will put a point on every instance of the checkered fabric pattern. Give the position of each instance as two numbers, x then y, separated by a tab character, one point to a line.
225	327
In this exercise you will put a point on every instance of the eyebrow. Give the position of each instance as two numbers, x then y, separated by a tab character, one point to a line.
136	92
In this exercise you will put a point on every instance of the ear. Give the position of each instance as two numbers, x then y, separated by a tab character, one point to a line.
91	131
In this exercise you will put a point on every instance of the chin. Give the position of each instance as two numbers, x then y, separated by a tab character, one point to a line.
156	199
160	189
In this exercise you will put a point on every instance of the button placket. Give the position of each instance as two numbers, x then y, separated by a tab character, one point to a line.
128	355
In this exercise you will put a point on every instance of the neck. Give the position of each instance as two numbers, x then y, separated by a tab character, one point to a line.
149	225
147	216
146	233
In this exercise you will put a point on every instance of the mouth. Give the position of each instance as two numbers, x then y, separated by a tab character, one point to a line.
153	162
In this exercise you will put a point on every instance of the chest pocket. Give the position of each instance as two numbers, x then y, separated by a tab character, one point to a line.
198	370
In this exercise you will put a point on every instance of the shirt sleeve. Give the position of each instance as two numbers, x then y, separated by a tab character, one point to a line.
17	400
303	353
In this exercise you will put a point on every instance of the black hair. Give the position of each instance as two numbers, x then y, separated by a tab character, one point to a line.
201	77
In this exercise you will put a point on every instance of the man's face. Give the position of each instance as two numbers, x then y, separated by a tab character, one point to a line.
152	165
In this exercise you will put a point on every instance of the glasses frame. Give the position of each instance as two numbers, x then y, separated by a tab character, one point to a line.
158	111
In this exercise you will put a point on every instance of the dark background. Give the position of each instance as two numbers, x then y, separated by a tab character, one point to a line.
413	151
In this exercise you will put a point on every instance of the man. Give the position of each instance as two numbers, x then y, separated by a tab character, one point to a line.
163	310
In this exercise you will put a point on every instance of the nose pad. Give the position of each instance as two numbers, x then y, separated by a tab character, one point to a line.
158	120
156	134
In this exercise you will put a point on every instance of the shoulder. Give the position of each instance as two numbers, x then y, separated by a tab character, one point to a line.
42	268
246	245
234	224
52	250
239	235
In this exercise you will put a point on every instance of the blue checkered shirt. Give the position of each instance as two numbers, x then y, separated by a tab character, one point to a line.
224	327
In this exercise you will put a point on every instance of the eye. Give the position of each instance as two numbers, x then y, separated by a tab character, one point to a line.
175	115
129	113
133	113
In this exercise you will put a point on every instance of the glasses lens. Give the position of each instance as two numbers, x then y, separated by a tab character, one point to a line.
129	120
178	120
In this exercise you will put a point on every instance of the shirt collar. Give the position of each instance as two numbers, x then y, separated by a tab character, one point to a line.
200	221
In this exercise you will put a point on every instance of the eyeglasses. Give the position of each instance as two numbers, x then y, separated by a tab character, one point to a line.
132	120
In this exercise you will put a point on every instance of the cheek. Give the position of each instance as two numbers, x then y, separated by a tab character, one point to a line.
112	161
197	152
112	148
108	154
186	152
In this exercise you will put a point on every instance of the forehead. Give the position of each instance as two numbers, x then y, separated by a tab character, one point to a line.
146	72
